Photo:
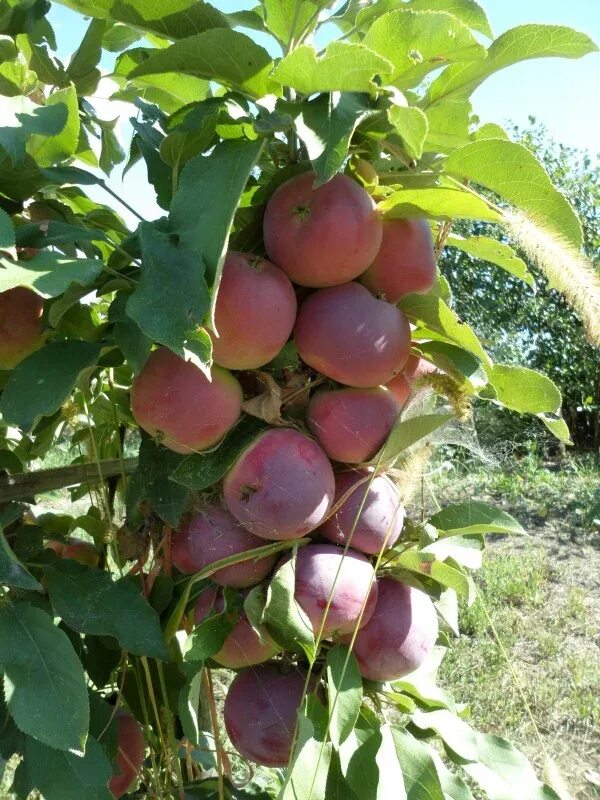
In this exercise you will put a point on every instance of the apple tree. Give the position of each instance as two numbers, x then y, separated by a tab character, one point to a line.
243	394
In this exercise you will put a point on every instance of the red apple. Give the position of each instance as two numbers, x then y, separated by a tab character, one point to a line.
405	262
254	313
323	236
174	401
21	329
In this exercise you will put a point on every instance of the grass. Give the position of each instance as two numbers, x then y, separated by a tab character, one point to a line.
552	650
535	490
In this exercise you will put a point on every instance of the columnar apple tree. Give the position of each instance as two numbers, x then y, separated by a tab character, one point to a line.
246	391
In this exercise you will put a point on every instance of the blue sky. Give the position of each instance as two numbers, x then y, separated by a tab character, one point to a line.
561	93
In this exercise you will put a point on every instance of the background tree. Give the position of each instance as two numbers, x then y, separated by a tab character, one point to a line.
534	325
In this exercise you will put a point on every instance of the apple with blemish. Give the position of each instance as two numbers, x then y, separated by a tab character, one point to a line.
211	535
281	486
336	590
261	709
77	549
400	634
130	754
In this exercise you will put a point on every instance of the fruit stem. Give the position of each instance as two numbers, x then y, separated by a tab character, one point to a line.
292	139
442	237
152	697
171	729
210	694
120	200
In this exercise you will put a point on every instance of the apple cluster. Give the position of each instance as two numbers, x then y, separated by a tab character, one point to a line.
334	273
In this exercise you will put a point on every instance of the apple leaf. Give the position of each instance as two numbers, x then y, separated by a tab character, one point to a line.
417	42
512	171
48	273
516	44
174	19
44	682
90	601
344	67
221	55
42	382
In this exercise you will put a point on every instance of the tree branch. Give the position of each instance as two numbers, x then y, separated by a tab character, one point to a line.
23	485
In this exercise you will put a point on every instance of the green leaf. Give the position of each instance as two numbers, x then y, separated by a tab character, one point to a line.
411	125
174	19
207	638
438	202
7	231
345	692
455	361
82	67
524	390
516	44
422	685
557	426
283	617
407	432
417	42
128	335
151	482
51	232
504	773
325	125
170	90
171	299
16	78
12	572
21	119
48	150
495	252
89	601
42	382
438	318
67	174
420	775
465	550
370	765
425	564
44	682
467	11
474	516
119	37
512	171
489	131
202	470
454	731
337	786
188	704
201	217
220	54
65	776
344	67
48	273
307	779
448	123
286	19
111	152
453	785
